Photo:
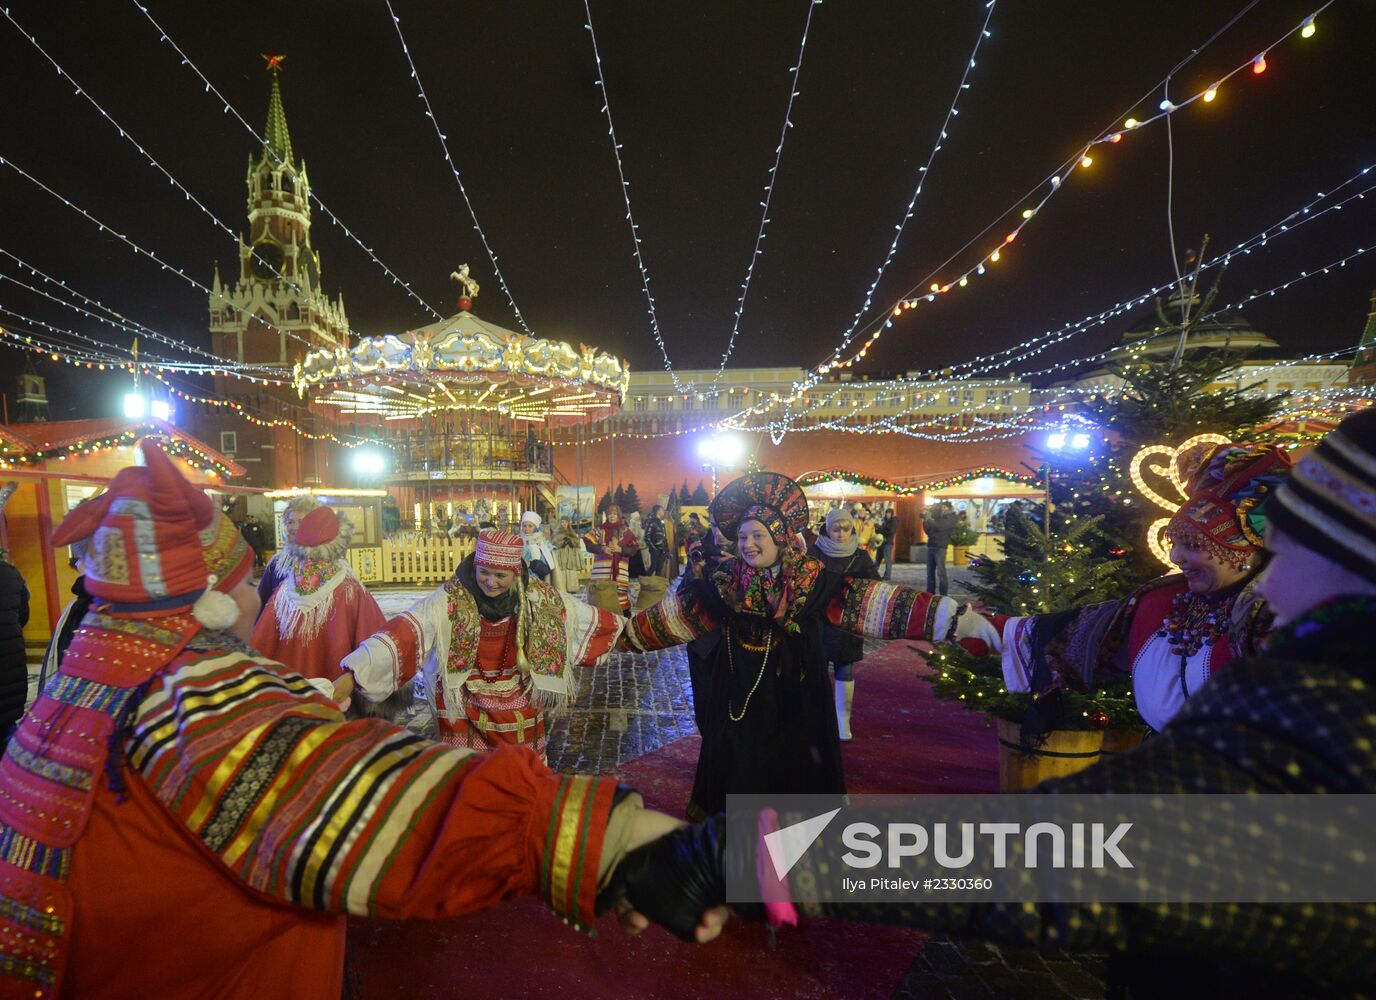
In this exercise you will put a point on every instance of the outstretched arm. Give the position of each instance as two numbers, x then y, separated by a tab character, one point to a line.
677	619
880	610
388	659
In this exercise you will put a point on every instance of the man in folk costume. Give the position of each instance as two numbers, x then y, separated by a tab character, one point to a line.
495	651
612	544
169	779
1173	633
320	611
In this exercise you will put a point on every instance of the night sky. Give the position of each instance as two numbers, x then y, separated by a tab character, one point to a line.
698	92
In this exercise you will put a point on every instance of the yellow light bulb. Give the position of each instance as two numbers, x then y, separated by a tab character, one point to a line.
995	256
1130	123
1308	30
1027	213
1210	94
1086	161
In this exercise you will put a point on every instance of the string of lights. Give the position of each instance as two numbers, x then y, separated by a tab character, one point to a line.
951	112
230	109
195	457
760	234
1036	345
630	216
119	321
138	250
152	162
454	169
83	357
928	288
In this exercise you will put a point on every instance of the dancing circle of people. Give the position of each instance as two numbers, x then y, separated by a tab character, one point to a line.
258	763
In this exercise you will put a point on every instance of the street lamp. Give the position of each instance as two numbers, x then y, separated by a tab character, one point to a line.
720	451
369	462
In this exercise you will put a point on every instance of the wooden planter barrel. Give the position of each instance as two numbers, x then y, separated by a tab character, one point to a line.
1122	740
1064	752
960	555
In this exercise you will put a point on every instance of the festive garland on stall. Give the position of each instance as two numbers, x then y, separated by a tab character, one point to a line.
988	472
977	682
175	447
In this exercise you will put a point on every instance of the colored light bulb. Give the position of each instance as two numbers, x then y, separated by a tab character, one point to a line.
1259	64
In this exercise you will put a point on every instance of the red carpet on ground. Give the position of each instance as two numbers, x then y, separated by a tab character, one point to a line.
905	741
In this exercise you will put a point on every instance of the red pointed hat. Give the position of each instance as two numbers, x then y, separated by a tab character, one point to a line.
156	541
499	550
319	527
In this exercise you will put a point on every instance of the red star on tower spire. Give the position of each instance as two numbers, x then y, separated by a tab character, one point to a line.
274	62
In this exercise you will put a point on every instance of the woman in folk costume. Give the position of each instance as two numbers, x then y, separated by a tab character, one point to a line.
612	545
279	566
568	550
766	711
536	552
1173	632
170	785
838	549
496	651
640	557
320	611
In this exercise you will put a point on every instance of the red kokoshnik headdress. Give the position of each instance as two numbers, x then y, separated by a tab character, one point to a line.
1224	514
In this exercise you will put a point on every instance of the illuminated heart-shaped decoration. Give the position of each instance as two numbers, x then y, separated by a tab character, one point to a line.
1164	461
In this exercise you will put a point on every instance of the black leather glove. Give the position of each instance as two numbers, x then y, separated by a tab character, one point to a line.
675	879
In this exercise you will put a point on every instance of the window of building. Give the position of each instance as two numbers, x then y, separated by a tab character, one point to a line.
638	403
229	442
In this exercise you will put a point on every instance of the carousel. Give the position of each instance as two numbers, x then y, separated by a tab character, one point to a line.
467	409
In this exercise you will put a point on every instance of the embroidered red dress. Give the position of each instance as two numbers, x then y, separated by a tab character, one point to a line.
485	691
318	614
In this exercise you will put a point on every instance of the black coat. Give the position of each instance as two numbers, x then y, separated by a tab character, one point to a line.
14	658
787	741
842	647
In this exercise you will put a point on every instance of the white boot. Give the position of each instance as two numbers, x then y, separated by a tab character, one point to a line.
845	694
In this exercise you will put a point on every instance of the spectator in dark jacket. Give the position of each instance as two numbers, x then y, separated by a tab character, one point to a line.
889	529
71	616
14	659
939	523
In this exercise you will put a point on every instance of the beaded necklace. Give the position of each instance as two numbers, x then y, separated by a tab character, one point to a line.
1196	621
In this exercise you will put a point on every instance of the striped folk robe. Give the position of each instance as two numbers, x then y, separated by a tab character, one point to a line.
243	818
613	565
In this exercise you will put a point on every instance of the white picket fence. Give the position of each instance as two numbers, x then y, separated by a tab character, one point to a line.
414	559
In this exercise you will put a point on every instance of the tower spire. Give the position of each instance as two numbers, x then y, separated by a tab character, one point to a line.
275	135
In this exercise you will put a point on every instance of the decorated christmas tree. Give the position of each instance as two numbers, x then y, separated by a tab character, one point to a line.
1043	572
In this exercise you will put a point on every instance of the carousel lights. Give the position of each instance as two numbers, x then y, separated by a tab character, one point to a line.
210	88
454	168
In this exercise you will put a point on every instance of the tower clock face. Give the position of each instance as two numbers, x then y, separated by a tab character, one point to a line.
267	261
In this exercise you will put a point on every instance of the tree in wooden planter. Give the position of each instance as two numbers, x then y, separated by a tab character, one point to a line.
1039	738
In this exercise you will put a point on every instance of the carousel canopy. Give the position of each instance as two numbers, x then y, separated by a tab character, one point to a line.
465	363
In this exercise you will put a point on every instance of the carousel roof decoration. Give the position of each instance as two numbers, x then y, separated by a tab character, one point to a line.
465	363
